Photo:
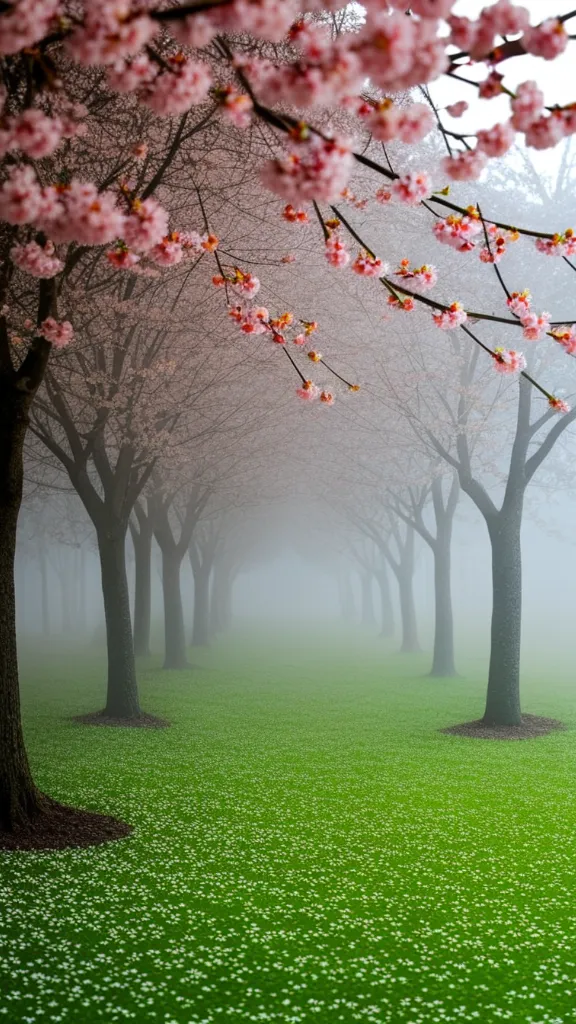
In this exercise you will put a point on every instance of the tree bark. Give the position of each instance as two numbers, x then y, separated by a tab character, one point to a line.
20	800
82	596
200	622
174	637
368	617
44	590
386	609
503	695
142	542
410	643
122	691
443	659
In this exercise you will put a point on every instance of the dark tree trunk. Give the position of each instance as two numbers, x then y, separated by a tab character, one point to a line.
20	800
368	617
122	693
174	638
443	659
44	591
201	620
386	608
503	696
142	542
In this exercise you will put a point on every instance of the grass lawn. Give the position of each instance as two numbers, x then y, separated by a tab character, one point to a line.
307	847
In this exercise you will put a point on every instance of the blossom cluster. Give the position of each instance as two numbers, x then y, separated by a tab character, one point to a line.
418	279
535	325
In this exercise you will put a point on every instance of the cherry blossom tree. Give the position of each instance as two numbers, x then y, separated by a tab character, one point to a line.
166	60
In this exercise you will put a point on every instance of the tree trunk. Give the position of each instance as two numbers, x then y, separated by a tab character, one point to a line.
368	617
44	591
64	579
503	696
200	623
443	659
82	596
142	542
410	643
122	694
174	638
386	609
20	800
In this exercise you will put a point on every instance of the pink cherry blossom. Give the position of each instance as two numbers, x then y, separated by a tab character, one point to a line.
495	141
491	86
449	319
519	302
122	258
254	320
167	253
299	339
36	134
330	76
79	212
409	124
547	40
315	169
397	52
58	334
146	225
237	108
411	188
527	105
418	279
36	260
545	132
366	265
383	196
558	404
245	284
20	196
508	361
110	30
535	325
457	109
565	336
458	232
465	166
266	19
336	252
463	32
308	392
130	75
25	22
559	245
327	398
175	91
197	30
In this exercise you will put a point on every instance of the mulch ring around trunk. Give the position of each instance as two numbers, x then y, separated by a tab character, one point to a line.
60	827
531	727
141	721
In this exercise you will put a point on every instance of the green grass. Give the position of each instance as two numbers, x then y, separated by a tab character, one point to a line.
308	847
